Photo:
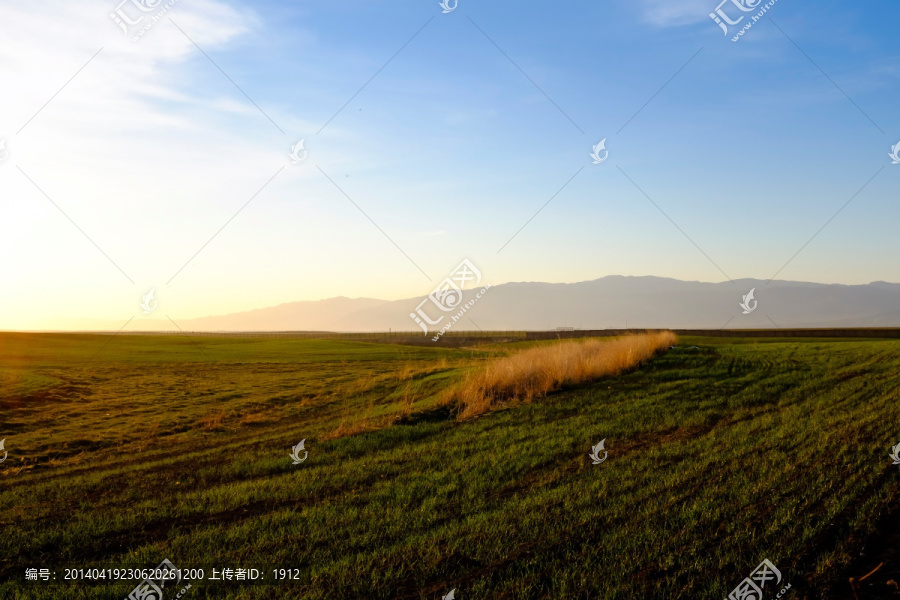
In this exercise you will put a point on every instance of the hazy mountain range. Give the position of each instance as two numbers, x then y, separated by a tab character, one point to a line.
611	302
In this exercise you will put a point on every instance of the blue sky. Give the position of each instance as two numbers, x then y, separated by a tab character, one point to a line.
750	149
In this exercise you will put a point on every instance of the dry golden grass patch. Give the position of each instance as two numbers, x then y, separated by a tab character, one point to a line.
537	371
148	437
348	428
255	418
213	420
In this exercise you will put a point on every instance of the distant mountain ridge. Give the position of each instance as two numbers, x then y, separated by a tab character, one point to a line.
611	302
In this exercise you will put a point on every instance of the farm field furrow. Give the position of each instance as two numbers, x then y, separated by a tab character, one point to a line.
153	447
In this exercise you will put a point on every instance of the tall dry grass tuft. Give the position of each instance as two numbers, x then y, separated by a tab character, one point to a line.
535	372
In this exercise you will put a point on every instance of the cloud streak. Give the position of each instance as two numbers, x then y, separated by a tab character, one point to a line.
671	13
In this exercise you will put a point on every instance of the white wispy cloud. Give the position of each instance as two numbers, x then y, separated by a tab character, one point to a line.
126	145
676	13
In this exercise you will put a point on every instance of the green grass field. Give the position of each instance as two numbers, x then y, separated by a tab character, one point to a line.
127	451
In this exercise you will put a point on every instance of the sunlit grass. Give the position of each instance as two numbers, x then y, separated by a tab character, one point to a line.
718	457
525	375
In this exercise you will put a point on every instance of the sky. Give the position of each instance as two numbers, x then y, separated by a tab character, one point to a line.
161	158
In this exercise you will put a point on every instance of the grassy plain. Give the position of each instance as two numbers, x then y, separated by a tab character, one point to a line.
125	452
